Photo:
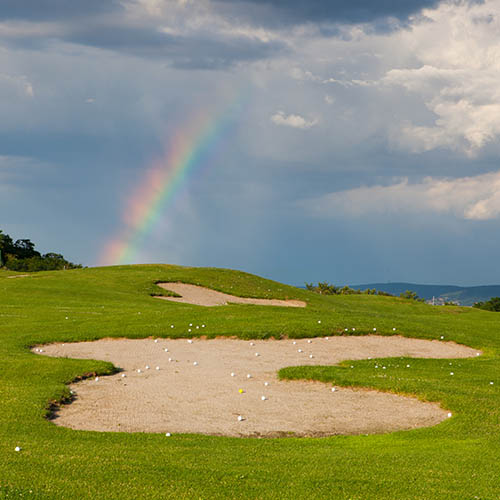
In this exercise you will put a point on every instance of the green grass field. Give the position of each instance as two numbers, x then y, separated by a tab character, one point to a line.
458	459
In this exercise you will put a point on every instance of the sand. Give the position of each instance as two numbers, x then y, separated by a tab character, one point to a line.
182	397
201	296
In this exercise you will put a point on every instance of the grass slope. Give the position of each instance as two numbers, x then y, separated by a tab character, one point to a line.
456	459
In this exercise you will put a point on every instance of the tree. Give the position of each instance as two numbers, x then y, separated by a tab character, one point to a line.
490	305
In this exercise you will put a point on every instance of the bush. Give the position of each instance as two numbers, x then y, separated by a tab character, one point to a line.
490	305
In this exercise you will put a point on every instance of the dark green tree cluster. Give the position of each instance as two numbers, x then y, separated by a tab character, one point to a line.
324	288
490	305
20	255
410	295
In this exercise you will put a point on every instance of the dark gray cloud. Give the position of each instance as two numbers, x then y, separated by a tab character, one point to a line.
187	52
327	11
46	10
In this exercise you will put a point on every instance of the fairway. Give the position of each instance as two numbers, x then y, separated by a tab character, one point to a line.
457	458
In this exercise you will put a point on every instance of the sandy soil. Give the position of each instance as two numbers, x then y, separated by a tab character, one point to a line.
201	296
184	397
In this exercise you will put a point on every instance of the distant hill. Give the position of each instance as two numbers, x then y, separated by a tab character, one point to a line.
465	296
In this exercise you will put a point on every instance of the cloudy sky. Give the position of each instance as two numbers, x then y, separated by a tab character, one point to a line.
364	145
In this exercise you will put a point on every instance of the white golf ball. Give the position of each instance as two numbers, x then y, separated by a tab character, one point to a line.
248	375
147	367
232	374
240	418
97	379
319	322
309	341
170	360
491	383
263	398
393	329
333	389
139	371
354	329
251	343
327	338
257	354
123	375
197	327
311	356
407	366
156	341
195	363
442	337
189	330
168	434
67	317
299	350
449	415
190	324
17	448
294	343
171	326
157	368
190	340
346	329
266	383
203	326
374	329
166	349
451	373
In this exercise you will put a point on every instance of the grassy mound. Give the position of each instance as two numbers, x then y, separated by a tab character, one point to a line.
456	459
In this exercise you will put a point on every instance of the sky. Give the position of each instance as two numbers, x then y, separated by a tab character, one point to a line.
347	141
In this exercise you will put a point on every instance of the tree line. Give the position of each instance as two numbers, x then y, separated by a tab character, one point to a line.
324	288
21	255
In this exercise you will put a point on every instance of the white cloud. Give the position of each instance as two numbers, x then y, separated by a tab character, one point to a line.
295	121
19	83
329	99
474	198
459	56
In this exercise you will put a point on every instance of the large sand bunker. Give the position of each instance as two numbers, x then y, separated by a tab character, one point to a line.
204	386
201	296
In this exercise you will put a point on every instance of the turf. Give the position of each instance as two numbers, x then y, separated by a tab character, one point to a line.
457	459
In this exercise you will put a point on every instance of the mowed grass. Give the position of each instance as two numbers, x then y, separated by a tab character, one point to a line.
458	459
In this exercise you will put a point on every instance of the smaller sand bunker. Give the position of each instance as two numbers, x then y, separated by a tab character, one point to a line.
203	386
201	296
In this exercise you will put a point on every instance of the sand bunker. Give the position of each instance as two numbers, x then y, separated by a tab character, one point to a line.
202	386
201	296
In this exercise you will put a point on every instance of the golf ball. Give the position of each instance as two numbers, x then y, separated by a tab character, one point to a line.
263	398
232	374
248	375
195	363
157	368
17	448
333	389
168	434
240	418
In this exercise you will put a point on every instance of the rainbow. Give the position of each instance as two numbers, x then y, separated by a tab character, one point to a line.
186	154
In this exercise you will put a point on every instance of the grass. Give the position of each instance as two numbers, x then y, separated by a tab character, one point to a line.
457	459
